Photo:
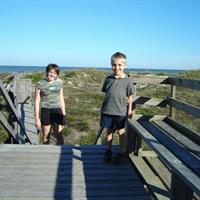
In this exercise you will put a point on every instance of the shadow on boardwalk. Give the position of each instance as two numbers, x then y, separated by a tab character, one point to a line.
84	175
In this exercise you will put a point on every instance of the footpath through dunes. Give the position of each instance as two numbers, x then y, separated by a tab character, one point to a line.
40	172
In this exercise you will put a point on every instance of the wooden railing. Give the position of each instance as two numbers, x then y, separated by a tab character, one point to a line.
13	133
165	152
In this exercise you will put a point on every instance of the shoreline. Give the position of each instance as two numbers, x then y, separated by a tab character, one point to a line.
28	69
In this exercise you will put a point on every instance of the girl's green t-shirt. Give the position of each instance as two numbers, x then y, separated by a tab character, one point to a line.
50	93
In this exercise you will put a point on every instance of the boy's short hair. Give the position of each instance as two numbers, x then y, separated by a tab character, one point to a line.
118	55
53	66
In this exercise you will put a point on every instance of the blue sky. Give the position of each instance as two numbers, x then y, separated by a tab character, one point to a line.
85	33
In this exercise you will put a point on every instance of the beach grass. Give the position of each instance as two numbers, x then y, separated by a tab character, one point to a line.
83	98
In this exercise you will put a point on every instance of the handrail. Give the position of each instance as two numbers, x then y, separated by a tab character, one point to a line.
183	82
13	109
155	80
193	110
7	126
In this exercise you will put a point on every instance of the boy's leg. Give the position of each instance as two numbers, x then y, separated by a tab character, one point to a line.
120	157
109	137
108	152
107	122
122	140
120	124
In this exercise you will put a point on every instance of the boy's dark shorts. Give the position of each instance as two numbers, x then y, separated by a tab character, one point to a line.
113	121
52	116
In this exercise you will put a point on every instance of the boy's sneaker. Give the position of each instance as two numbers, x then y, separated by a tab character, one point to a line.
118	159
107	156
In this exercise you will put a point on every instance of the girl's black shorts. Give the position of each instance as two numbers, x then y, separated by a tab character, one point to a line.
52	116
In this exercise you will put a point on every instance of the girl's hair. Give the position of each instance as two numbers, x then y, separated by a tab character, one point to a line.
52	66
118	55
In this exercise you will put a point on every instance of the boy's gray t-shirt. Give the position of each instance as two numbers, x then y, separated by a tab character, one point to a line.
116	92
50	93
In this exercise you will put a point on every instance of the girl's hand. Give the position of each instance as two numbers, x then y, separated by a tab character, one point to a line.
38	123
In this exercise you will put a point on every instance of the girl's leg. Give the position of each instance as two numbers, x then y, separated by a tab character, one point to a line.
46	132
58	133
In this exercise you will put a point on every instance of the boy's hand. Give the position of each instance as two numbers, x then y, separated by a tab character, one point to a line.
130	114
129	100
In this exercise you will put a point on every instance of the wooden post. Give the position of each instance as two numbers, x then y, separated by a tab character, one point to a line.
172	111
133	141
130	139
179	190
138	146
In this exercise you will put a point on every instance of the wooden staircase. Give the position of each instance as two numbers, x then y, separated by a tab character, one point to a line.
46	172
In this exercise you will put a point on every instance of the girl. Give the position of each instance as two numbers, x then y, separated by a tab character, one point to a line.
50	105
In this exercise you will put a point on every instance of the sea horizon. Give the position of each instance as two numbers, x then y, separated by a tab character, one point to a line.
16	69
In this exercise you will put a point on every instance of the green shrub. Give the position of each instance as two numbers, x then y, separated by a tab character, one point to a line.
87	139
35	77
66	131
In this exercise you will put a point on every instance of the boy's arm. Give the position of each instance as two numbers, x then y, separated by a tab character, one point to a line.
129	101
104	86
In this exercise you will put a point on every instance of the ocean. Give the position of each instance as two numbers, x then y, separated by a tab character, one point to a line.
9	69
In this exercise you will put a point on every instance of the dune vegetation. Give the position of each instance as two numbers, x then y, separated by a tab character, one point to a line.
83	98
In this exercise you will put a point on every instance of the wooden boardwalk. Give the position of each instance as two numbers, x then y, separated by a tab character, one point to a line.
45	172
26	115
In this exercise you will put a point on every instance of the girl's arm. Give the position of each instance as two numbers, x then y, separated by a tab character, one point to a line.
62	101
37	108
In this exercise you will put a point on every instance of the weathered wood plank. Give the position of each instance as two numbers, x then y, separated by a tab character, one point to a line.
148	101
151	80
148	153
8	128
161	170
75	194
51	151
12	107
153	182
71	175
189	177
190	109
179	137
68	186
193	135
125	197
22	89
45	147
178	150
180	190
183	82
56	166
172	111
62	179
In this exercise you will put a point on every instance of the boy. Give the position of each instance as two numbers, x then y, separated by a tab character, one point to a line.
117	105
